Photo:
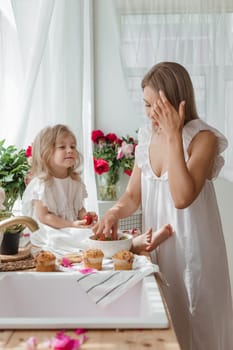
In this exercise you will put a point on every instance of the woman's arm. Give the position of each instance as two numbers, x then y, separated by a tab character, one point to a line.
125	206
185	179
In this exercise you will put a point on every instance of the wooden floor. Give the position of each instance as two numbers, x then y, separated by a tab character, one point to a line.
96	339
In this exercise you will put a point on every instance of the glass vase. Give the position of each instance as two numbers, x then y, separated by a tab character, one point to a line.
106	190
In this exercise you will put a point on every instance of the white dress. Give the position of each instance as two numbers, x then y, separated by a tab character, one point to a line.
193	260
63	197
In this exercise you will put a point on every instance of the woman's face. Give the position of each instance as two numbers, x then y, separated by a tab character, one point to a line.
150	98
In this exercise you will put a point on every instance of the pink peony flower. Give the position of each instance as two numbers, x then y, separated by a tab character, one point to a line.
111	137
127	149
28	152
128	172
120	154
101	166
96	135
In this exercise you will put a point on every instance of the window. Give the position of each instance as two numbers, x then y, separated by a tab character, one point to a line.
203	43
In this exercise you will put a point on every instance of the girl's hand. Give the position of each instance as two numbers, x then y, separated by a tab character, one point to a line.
88	220
79	223
91	218
169	120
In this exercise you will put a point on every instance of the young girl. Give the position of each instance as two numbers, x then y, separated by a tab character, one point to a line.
177	158
55	194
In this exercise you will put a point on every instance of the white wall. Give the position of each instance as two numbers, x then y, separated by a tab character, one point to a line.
114	111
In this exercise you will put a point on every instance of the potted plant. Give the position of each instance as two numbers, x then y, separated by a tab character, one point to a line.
13	169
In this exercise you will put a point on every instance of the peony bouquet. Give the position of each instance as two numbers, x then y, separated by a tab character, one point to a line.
111	154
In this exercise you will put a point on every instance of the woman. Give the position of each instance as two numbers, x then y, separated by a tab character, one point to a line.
177	158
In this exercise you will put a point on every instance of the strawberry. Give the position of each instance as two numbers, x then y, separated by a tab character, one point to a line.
101	237
88	219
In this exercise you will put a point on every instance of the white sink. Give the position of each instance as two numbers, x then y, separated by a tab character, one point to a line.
55	300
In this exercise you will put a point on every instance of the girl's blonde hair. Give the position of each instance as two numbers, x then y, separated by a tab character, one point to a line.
43	149
174	80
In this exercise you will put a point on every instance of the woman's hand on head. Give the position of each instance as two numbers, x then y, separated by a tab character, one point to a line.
107	225
167	117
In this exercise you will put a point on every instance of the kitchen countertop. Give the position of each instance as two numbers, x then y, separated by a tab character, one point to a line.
96	339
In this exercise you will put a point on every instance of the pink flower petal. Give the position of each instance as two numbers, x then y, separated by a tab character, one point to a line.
26	234
87	270
31	343
64	342
83	339
80	331
66	262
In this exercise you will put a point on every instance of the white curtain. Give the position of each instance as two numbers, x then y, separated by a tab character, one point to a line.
43	65
197	34
88	105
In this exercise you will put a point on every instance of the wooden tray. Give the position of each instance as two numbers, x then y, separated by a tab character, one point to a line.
25	264
22	254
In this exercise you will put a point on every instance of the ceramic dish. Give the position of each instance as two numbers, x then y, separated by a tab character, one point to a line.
109	248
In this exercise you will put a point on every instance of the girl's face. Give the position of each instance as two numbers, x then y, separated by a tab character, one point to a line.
64	156
150	98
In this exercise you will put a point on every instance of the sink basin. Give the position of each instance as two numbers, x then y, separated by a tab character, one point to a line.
55	301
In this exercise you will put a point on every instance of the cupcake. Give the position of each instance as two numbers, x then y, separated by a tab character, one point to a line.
93	258
123	260
45	261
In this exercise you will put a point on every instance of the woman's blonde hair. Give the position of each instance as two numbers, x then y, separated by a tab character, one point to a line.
43	149
174	80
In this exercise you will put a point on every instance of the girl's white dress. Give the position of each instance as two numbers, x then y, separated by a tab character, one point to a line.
193	260
63	197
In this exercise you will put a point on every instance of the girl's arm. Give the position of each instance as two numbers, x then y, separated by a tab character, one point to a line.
47	218
125	206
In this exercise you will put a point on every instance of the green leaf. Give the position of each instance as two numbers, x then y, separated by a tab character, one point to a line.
13	168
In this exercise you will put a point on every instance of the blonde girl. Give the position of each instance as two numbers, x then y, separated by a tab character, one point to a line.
55	194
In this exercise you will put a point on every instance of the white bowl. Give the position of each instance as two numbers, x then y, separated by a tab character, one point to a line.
109	248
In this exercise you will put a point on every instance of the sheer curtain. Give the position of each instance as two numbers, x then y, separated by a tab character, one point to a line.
43	65
196	34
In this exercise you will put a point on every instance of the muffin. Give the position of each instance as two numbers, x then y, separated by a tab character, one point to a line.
93	258
123	260
45	261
